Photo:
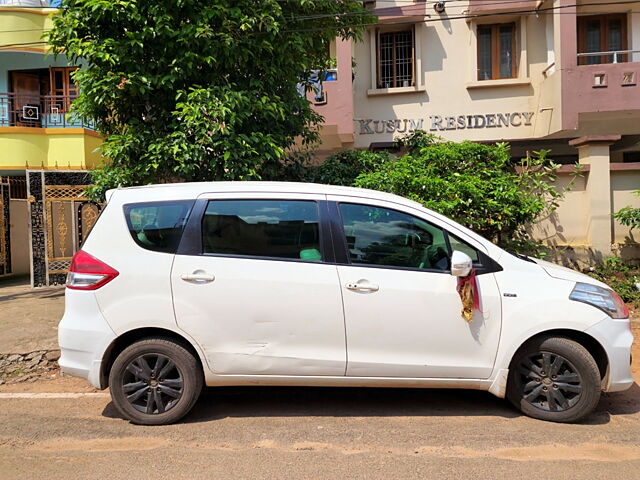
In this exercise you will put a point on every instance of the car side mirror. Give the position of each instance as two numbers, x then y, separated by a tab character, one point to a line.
461	264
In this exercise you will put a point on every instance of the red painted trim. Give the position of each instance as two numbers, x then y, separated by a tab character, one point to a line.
501	6
630	167
577	142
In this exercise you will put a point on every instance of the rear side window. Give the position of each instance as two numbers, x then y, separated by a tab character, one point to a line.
263	228
158	226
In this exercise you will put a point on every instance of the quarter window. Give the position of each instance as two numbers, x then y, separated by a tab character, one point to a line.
380	236
263	228
457	244
158	226
496	51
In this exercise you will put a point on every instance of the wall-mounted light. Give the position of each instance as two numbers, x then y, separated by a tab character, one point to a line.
439	7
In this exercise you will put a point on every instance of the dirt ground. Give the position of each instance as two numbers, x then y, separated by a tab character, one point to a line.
58	428
29	318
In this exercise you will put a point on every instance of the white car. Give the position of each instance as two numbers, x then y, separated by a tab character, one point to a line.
259	283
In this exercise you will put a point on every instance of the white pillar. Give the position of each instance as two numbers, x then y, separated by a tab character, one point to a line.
594	152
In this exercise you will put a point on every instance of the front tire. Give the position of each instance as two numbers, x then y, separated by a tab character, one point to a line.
554	379
155	382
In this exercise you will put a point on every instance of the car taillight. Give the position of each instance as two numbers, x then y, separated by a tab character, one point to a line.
88	273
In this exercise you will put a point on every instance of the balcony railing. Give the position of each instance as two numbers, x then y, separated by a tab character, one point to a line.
38	111
613	56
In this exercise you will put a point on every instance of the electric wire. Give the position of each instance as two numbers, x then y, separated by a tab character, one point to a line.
462	16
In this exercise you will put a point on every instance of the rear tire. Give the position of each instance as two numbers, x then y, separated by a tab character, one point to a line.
554	379
155	381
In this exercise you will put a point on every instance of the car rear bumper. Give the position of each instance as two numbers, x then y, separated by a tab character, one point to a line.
616	338
84	336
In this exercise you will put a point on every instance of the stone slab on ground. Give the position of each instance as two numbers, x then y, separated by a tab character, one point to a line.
29	318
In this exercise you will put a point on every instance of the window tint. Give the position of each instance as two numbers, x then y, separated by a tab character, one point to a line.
457	244
158	226
262	228
379	236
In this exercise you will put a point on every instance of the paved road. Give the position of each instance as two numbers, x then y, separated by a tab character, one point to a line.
312	433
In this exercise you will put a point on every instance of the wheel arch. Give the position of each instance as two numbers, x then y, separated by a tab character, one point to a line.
592	345
135	335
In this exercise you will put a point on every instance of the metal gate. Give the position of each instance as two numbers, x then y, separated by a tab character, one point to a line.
61	218
5	239
68	214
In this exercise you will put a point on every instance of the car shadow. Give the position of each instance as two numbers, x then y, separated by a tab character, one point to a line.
237	402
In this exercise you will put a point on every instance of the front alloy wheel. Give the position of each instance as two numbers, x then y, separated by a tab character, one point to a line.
554	379
155	381
549	382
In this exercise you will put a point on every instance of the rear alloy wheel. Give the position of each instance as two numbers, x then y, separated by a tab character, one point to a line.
155	382
554	379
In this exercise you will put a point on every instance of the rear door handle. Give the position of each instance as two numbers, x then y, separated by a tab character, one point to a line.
198	277
363	287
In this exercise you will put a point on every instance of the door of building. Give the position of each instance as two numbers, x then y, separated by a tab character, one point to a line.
27	109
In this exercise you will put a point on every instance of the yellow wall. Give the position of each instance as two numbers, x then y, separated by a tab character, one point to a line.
48	148
24	25
623	186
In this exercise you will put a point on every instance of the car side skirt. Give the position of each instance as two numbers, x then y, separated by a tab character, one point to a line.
328	381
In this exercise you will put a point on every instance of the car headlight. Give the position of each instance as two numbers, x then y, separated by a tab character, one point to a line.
606	300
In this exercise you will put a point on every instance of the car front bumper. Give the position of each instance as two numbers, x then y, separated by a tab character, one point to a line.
616	338
83	336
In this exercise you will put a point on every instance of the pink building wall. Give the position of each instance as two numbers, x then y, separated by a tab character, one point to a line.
338	111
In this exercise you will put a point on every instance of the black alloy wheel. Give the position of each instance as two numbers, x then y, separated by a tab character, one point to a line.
155	381
549	381
554	379
152	383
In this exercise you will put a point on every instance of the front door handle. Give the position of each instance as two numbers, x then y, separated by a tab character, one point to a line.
198	277
363	287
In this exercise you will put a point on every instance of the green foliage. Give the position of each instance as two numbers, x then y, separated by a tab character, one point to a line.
629	216
186	90
477	185
342	168
620	276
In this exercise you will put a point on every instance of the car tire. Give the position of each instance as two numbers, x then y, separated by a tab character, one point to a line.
554	379
155	381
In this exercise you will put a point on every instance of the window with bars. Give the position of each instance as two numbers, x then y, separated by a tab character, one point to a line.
602	33
497	51
396	57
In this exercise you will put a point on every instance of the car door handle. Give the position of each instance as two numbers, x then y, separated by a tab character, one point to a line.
363	287
197	277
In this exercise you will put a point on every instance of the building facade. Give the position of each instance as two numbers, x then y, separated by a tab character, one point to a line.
556	74
45	151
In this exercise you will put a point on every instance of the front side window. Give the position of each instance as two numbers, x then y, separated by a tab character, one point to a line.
288	229
158	226
396	56
497	51
384	237
602	33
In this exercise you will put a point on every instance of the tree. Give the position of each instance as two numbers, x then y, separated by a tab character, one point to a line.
186	90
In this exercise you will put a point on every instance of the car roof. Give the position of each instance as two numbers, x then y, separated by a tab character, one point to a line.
194	189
